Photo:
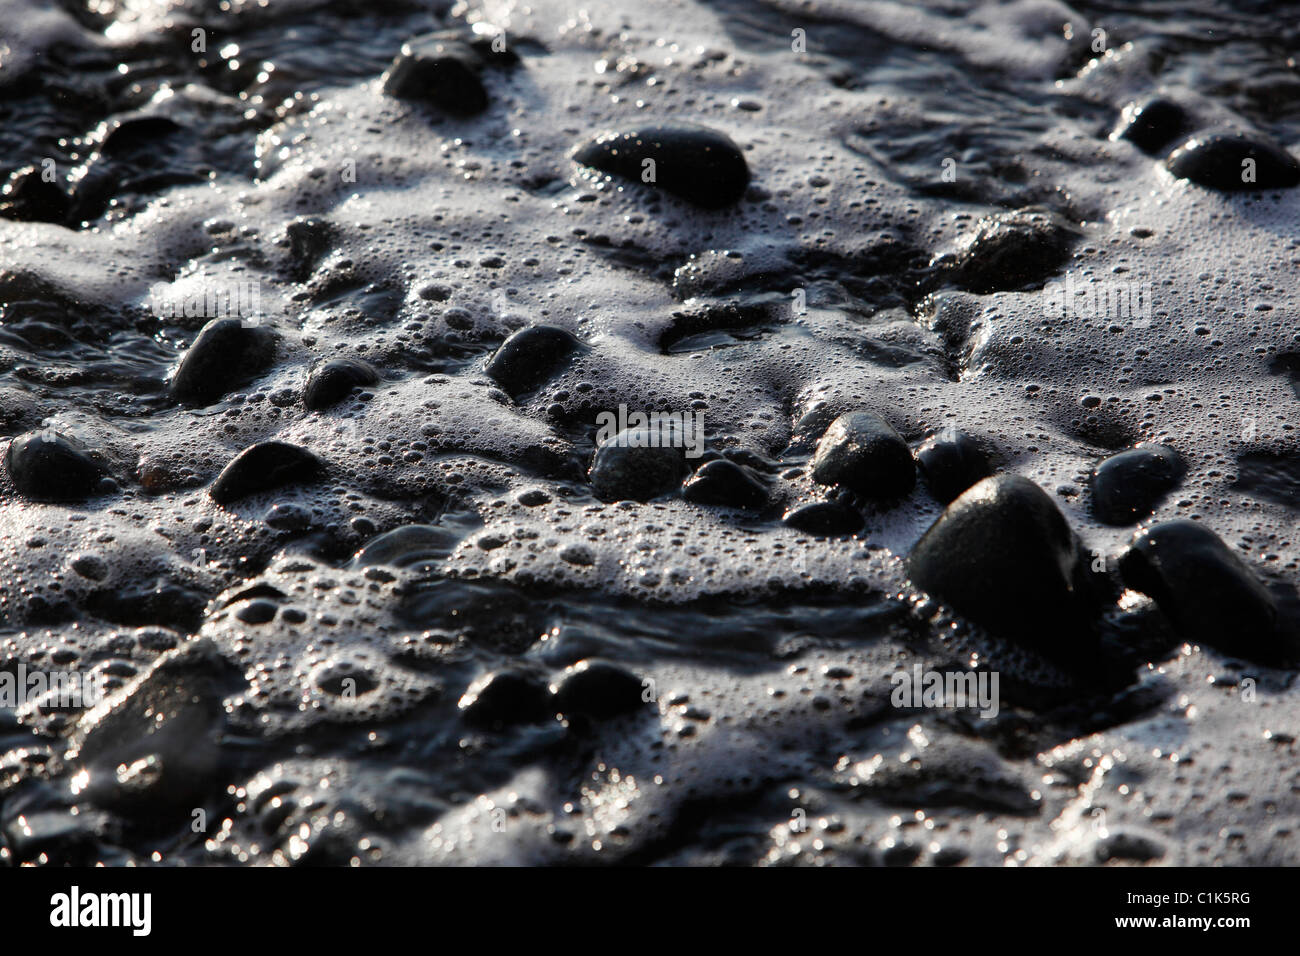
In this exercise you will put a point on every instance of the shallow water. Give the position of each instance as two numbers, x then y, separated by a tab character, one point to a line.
320	718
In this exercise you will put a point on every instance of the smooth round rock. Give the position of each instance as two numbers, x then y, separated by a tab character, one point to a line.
257	612
692	162
1204	588
1219	160
824	519
224	355
862	452
505	698
439	69
626	468
262	467
410	546
138	136
531	357
1128	486
951	462
1003	555
597	689
331	382
1151	123
810	426
287	516
48	466
724	483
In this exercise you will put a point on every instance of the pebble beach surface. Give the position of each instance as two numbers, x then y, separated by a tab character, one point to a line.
947	338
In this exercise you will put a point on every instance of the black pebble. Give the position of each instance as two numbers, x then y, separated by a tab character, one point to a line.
224	355
138	136
825	519
440	69
330	382
597	689
286	516
862	452
530	357
261	467
167	723
1127	487
505	56
1215	160
257	612
1151	123
951	462
309	238
810	427
29	197
724	483
504	698
1003	555
1010	250
621	472
159	603
699	165
47	466
1205	589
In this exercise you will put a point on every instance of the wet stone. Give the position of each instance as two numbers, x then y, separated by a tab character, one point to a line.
1003	555
825	519
29	197
440	69
695	163
724	483
628	468
161	602
259	611
331	382
597	689
138	136
287	516
1151	123
154	744
951	462
810	426
862	452
308	239
1010	251
496	50
410	546
505	698
261	467
1206	590
1231	161
1128	486
90	566
531	357
48	466
226	354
